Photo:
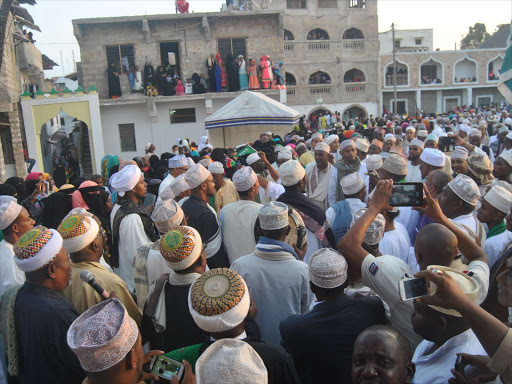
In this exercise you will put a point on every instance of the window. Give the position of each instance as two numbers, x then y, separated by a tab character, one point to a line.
122	56
127	137
296	4
62	121
357	3
317	34
418	41
353	34
52	122
290	79
319	77
354	76
6	139
184	115
288	35
428	73
397	43
236	47
327	3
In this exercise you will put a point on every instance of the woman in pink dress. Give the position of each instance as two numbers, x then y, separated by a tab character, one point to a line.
253	75
266	77
220	63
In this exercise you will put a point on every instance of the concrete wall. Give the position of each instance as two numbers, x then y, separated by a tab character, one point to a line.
407	39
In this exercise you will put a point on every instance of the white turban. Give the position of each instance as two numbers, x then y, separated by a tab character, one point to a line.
9	211
126	179
291	173
196	175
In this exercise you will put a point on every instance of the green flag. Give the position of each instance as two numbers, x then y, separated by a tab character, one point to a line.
505	85
245	150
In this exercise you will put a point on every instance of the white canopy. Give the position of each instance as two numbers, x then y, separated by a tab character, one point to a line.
252	108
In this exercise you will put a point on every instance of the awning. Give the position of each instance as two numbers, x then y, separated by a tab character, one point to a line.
252	108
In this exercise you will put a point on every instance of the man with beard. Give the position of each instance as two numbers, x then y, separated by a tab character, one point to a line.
348	164
415	148
460	161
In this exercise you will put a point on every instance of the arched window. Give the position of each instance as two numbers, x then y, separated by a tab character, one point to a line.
288	35
290	79
402	74
494	69
431	72
354	76
465	71
353	34
319	77
317	34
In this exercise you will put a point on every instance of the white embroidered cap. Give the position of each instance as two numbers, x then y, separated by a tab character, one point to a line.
216	168
327	268
167	215
375	231
178	161
252	158
410	128
460	153
395	164
196	175
9	211
507	156
244	179
499	198
389	137
285	155
363	145
179	185
416	143
432	137
465	188
205	162
323	147
352	184
273	216
291	173
331	139
167	194
422	133
346	143
374	162
433	157
316	136
475	132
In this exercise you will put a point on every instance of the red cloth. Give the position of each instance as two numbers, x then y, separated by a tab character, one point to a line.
182	6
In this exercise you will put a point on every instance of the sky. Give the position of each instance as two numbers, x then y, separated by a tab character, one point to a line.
450	20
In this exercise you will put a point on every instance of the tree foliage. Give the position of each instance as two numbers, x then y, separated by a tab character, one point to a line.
476	35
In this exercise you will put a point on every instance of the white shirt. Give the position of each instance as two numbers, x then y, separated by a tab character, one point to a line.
131	237
409	219
471	222
163	185
237	221
494	246
353	204
413	173
156	266
435	367
395	243
10	274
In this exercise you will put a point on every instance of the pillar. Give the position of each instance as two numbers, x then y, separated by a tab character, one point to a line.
17	144
418	99
439	99
469	100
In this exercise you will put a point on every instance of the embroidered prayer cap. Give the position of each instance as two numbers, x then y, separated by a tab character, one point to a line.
317	136
79	211
291	173
432	137
244	179
410	128
374	162
167	194
352	184
167	215
362	145
126	179
395	164
507	156
205	162
389	137
465	188
433	157
502	129
323	147
416	143
179	185
216	168
475	132
499	198
345	144
327	268
78	232
460	153
285	155
252	158
375	231
102	336
377	142
467	284
180	247
422	133
230	361
190	161
36	248
331	139
300	145
196	175
273	216
9	211
481	167
219	300
178	161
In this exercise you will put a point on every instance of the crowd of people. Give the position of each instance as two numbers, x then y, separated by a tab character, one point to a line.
278	261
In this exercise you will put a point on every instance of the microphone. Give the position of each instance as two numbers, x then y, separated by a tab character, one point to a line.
87	277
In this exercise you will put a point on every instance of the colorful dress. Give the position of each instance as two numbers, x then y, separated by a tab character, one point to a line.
266	76
253	76
242	74
220	65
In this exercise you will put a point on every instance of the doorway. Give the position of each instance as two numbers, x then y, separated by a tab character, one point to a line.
401	106
170	55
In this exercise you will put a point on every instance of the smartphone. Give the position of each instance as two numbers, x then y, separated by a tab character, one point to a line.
413	288
166	368
447	144
459	367
407	195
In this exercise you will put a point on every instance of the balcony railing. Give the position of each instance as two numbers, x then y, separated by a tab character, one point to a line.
290	92
355	88
400	80
319	46
316	90
353	44
289	47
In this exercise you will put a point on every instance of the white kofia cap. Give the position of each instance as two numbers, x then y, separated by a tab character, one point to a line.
9	211
178	161
460	153
244	179
352	184
375	231
328	268
433	157
331	139
179	185
499	198
196	175
216	168
374	162
363	145
252	158
273	216
323	147
291	173
465	188
416	143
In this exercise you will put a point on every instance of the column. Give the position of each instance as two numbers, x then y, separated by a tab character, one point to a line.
418	99
439	104
470	96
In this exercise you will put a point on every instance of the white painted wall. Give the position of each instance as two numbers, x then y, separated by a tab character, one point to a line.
465	68
407	39
371	108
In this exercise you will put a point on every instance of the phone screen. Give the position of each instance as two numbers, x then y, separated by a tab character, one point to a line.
165	367
407	195
447	144
415	288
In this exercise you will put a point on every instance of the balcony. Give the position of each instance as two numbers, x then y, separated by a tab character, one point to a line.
353	44
400	80
289	47
29	57
290	93
319	46
320	90
355	88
